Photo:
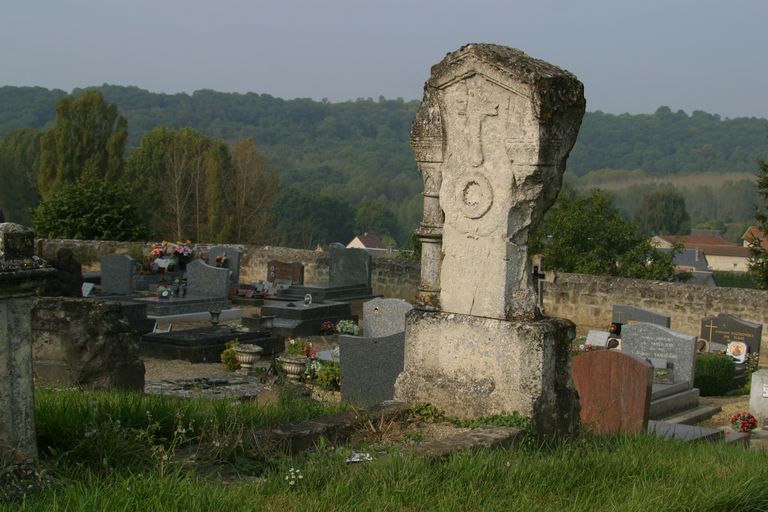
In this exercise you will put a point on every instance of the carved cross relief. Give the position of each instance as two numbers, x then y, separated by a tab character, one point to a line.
479	105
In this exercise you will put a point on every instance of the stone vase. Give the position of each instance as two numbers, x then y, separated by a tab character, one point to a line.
294	366
247	354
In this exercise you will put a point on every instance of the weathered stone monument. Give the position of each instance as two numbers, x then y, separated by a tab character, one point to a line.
491	139
21	274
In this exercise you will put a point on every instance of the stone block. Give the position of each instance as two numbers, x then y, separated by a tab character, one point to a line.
758	396
85	343
472	367
349	267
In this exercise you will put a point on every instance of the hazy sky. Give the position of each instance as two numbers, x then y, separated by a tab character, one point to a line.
632	56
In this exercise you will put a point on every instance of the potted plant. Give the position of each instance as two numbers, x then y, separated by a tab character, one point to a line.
298	352
348	327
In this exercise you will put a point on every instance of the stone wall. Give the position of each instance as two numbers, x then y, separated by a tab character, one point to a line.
390	277
82	342
587	301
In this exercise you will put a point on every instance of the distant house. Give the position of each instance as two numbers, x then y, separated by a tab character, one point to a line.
755	232
720	254
369	242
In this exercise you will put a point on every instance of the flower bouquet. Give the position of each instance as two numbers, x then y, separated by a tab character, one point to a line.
743	422
169	256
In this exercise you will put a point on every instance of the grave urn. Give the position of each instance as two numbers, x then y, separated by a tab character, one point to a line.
294	366
247	354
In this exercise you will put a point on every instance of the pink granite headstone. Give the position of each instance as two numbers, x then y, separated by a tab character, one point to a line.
614	391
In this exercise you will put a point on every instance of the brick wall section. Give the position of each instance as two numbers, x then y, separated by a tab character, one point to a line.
390	277
587	301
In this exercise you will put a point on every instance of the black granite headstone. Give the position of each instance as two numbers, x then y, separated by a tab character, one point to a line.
725	328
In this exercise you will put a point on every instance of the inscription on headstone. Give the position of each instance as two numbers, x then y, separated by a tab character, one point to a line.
725	328
278	270
665	348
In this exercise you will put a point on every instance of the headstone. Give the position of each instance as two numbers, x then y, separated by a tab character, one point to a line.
204	280
491	138
384	317
280	271
117	274
349	267
724	329
21	274
669	351
758	396
369	367
597	338
230	259
624	314
67	281
614	391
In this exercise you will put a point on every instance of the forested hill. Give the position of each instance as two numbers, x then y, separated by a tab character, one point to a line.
303	135
359	149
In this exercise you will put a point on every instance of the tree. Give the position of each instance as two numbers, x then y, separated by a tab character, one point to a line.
252	191
662	212
587	235
90	209
305	219
19	166
87	138
178	180
758	255
376	217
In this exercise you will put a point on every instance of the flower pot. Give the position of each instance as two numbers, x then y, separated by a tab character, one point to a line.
247	354
294	366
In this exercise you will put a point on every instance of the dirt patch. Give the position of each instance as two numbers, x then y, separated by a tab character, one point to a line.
730	404
164	369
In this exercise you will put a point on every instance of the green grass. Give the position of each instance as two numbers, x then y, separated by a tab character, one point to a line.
626	474
634	473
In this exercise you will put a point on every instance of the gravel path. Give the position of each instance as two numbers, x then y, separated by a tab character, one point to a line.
164	369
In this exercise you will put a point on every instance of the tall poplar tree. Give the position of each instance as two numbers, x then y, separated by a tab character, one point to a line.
88	139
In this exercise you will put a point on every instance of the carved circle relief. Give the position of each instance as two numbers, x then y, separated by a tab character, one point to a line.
474	195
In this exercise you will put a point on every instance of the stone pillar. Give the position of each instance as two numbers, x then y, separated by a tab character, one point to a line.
491	138
427	141
21	274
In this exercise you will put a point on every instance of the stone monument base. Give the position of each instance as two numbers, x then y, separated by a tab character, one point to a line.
472	367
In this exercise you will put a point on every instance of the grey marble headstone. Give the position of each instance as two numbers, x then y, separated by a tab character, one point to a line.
624	314
597	338
349	267
384	317
369	367
725	328
232	262
659	344
204	280
117	274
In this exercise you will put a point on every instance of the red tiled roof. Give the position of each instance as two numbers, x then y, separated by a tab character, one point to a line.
755	232
713	245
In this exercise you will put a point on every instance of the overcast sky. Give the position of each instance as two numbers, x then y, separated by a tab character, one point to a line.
632	56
